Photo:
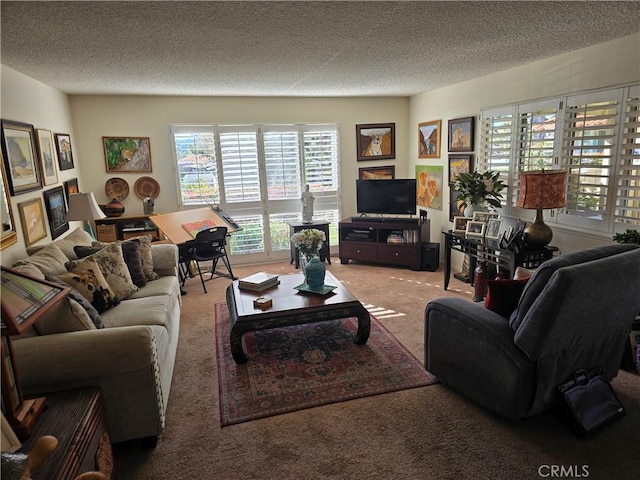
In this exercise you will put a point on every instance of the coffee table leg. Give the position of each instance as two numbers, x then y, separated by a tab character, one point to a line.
364	328
236	346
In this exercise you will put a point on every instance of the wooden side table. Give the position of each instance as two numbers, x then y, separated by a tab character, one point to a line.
77	419
324	253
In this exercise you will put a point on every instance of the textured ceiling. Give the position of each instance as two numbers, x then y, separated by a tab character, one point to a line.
293	48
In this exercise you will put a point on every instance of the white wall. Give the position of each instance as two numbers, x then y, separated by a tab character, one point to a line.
98	116
27	100
608	64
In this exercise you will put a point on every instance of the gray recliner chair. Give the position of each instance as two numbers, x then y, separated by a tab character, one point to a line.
576	311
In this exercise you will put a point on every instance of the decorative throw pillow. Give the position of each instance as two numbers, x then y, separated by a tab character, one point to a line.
67	316
50	260
87	279
131	254
145	255
113	268
503	295
78	297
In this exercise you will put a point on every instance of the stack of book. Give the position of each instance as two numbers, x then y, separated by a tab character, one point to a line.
258	281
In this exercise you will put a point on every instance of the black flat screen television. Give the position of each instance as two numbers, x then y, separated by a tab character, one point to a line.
391	197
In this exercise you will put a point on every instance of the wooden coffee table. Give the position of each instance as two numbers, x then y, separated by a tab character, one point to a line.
291	307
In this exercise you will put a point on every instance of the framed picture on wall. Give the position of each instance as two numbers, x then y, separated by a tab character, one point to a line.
70	187
64	151
377	173
127	154
429	139
56	207
32	219
46	152
461	134
459	164
376	141
20	156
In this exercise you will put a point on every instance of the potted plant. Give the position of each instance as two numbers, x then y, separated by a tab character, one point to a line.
479	189
629	236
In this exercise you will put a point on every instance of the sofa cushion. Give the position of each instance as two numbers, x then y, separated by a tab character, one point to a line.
141	311
503	295
131	254
66	244
49	260
66	316
113	268
78	297
87	279
145	255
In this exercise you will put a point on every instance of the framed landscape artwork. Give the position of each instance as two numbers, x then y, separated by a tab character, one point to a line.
19	152
429	139
46	151
376	141
56	211
127	154
459	164
377	173
63	149
32	219
461	134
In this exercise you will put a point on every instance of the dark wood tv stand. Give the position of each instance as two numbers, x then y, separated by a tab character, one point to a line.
373	241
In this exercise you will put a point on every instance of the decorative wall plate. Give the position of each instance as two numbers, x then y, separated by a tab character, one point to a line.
146	187
117	188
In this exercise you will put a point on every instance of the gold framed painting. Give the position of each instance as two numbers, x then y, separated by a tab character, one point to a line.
429	139
32	219
47	162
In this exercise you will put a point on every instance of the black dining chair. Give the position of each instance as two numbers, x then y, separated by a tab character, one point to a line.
210	245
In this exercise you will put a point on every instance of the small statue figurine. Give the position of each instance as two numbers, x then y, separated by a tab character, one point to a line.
307	200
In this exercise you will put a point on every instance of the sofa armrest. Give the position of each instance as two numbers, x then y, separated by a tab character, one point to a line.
471	349
165	259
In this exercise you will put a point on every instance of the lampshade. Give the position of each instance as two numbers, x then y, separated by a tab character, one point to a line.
542	189
83	206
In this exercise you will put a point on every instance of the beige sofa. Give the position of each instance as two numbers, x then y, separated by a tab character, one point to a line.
131	358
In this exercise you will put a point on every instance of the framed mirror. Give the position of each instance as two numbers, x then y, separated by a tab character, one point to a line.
8	232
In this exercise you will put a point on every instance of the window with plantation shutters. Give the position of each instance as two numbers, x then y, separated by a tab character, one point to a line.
627	210
595	136
257	173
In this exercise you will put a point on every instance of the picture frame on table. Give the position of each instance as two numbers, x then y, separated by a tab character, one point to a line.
485	216
46	151
459	164
429	139
377	173
460	224
492	230
32	220
375	141
20	156
56	207
461	134
64	151
475	228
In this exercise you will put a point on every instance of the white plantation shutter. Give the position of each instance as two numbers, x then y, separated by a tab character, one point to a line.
496	143
588	153
627	211
239	155
282	161
320	158
535	134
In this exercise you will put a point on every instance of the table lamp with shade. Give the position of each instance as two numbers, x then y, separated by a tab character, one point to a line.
83	207
541	189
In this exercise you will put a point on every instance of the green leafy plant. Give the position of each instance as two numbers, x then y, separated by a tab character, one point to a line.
477	188
629	236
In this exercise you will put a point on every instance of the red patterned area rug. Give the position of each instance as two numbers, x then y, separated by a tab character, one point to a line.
303	366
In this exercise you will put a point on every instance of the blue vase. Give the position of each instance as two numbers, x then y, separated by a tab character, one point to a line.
314	272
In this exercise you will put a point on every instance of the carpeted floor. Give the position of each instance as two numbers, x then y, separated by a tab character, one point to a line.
304	366
420	433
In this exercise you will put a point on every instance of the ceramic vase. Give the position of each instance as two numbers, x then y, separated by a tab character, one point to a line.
314	272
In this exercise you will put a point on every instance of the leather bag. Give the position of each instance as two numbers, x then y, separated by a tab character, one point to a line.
590	401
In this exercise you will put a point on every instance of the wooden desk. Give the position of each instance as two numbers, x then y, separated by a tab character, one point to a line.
170	224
